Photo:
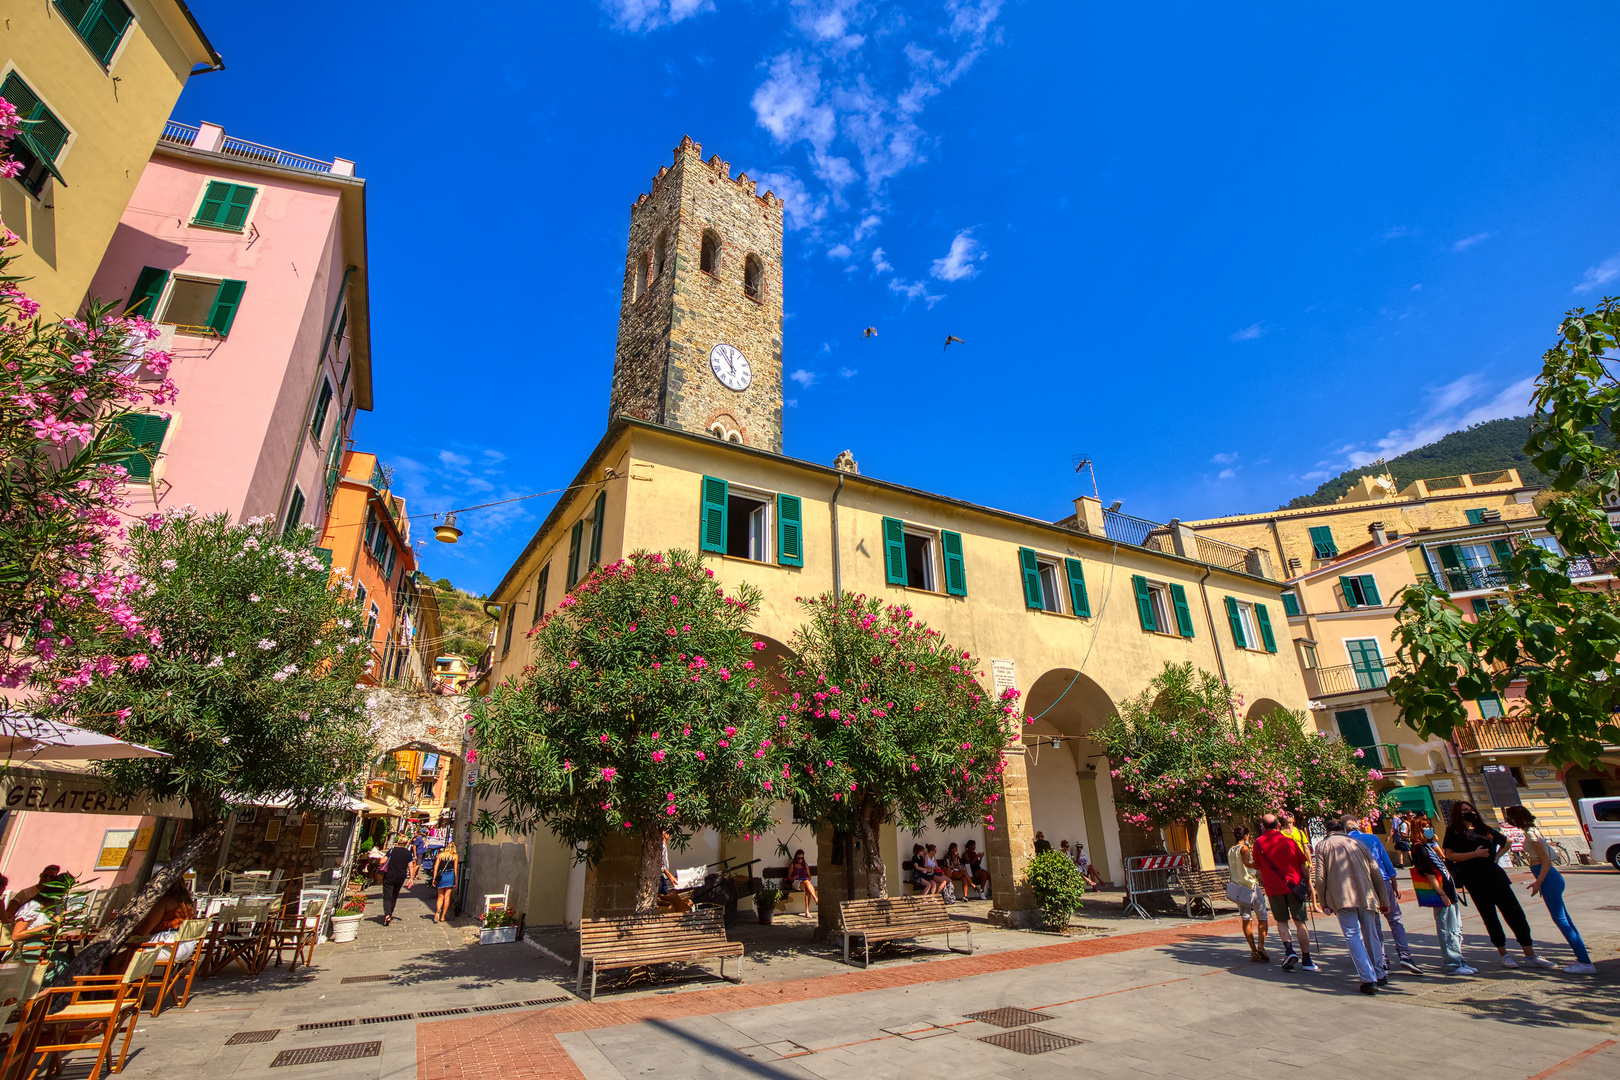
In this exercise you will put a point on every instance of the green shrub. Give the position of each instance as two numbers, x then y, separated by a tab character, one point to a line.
1058	886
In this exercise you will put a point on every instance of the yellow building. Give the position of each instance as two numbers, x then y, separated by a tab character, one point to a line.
99	78
451	674
1302	540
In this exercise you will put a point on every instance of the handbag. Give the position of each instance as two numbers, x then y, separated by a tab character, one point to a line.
1239	893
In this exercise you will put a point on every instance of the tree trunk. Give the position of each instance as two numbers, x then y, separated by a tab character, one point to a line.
870	831
652	868
90	958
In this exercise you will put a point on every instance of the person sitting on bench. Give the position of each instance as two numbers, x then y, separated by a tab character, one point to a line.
798	880
978	876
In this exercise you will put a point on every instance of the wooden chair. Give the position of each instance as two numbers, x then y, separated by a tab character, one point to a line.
178	974
18	984
43	1031
299	933
246	938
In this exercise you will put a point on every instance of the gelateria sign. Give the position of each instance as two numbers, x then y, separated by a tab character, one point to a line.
74	793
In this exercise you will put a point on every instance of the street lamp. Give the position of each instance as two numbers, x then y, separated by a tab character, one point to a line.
447	532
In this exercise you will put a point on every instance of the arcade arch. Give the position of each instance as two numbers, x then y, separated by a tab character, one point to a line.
1071	796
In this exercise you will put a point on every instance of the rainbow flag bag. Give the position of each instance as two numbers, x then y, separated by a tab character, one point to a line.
1428	890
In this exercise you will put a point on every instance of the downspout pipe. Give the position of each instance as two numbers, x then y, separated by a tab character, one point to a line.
1214	635
838	574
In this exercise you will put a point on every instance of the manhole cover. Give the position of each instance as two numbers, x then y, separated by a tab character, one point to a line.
387	1019
326	1024
442	1012
1031	1041
366	978
252	1037
1009	1018
341	1052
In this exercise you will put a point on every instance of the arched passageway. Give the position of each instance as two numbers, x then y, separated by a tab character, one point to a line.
1071	796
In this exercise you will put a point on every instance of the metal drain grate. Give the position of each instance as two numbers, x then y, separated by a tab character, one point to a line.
314	1054
498	1008
366	978
547	1001
1031	1041
442	1012
252	1037
388	1019
1009	1017
326	1024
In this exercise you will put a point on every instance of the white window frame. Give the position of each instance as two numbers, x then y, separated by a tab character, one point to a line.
766	516
1251	626
1164	608
930	565
1052	599
167	296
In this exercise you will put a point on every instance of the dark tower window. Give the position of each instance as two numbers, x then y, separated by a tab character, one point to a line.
754	277
643	266
660	255
709	259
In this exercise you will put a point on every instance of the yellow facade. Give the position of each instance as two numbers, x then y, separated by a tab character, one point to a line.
1424	505
647	483
113	113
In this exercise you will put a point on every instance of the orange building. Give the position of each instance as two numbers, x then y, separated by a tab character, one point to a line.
368	539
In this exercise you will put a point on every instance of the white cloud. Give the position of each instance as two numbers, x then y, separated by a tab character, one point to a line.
1470	241
958	263
1317	475
839	251
879	263
637	16
800	208
804	378
848	373
1397	232
1226	474
867	227
1250	332
913	290
1458	404
792	403
1225	459
1600	275
453	459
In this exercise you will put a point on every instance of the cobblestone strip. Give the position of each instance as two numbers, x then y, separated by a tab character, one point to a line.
523	1046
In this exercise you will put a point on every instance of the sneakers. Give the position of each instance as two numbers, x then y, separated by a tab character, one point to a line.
1539	962
1578	969
1369	988
1289	961
1411	968
1508	961
1463	970
1309	965
1384	981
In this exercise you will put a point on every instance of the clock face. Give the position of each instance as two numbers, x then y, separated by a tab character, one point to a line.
730	366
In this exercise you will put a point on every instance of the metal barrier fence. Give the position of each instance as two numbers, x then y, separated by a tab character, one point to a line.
1149	875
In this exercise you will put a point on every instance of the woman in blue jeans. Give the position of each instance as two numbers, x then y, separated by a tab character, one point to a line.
1550	884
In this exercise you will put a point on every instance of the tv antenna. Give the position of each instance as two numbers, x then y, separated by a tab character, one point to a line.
1085	463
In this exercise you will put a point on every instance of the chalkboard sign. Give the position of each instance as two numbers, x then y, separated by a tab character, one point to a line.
333	833
1501	787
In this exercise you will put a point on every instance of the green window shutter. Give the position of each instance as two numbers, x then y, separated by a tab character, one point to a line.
598	527
1355	728
1369	589
216	197
1290	603
955	565
323	403
143	301
789	530
540	592
295	513
325	555
1032	579
144	432
102	25
511	617
1503	550
1263	617
894	551
1079	601
1475	517
237	205
226	301
1322	542
1144	602
1490	707
1450	557
712	522
371	528
574	538
1236	622
1178	600
1352	596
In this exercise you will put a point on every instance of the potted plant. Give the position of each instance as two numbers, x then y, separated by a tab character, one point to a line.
500	926
765	901
346	918
1058	886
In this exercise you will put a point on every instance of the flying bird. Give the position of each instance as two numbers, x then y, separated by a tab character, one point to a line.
950	338
871	331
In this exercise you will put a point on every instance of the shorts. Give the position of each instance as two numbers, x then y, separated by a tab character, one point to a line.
1249	901
1287	906
798	884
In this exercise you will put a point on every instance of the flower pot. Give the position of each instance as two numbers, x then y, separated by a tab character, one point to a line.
765	914
500	935
346	927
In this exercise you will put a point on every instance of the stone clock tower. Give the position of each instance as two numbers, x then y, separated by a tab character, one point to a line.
700	322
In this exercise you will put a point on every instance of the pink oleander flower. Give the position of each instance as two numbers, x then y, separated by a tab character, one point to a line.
658	756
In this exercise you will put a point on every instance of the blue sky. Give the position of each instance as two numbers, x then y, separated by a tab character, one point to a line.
1224	253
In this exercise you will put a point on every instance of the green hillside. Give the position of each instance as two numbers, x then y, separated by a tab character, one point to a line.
466	627
1495	444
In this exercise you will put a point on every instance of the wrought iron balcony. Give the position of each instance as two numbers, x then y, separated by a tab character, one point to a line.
1385	757
1455	579
1483	736
1347	678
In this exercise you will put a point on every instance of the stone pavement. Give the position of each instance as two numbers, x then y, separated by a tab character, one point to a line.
1175	998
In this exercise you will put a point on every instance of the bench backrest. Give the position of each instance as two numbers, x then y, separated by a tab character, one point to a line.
891	912
772	872
674	929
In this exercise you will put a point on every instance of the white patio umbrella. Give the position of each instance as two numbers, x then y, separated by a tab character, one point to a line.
25	739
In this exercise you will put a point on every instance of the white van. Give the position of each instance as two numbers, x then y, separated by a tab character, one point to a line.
1600	821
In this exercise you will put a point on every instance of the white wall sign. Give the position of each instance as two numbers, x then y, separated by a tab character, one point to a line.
1003	676
1443	785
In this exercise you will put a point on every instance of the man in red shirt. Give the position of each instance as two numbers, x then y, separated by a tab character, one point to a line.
1283	866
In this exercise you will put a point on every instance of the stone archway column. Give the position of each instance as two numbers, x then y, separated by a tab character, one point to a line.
1010	847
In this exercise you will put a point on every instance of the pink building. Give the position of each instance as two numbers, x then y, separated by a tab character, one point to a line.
253	261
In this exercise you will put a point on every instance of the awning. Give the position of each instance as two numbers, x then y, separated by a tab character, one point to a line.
379	808
69	788
25	739
332	799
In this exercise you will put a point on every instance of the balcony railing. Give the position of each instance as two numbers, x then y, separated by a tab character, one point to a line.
1220	553
1487	735
1385	757
1469	578
1347	678
186	135
1125	529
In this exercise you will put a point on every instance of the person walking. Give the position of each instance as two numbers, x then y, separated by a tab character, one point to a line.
1283	871
1375	847
1435	888
1401	839
1549	883
398	868
1244	890
445	868
1350	886
1471	848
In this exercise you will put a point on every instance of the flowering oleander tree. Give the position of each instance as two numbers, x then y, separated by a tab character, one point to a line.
62	384
641	714
246	672
888	722
1320	776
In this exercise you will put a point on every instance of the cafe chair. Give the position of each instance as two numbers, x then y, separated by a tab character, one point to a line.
245	939
299	933
18	984
173	972
47	1031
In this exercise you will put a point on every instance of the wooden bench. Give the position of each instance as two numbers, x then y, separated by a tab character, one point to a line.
777	875
640	940
898	918
1201	887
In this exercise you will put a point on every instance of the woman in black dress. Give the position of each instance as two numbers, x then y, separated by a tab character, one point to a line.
399	867
1471	848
